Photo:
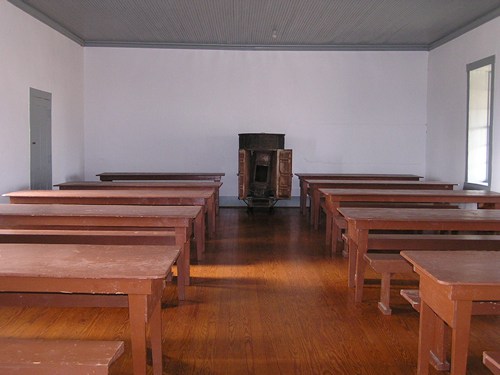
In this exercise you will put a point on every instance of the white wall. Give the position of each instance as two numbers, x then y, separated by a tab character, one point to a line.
34	55
182	110
447	103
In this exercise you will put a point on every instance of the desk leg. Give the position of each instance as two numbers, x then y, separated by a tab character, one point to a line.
337	241
187	263
303	197
351	266
460	337
181	271
211	217
351	263
360	249
199	235
336	236
315	208
333	215
426	331
155	328
138	313
329	223
183	261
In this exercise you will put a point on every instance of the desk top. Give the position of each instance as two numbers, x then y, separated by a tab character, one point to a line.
86	261
90	210
109	176
314	182
110	194
359	176
457	267
368	181
396	195
138	184
428	218
113	215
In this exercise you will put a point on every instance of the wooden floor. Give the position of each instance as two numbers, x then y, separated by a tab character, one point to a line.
267	299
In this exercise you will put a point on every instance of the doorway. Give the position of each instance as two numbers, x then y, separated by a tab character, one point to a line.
40	139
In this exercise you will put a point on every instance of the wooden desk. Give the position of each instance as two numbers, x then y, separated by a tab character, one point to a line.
335	198
449	283
345	176
315	185
138	272
145	176
144	185
361	220
61	216
185	197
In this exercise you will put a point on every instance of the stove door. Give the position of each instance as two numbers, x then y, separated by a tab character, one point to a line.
284	174
243	173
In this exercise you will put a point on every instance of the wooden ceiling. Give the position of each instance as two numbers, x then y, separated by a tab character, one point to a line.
264	24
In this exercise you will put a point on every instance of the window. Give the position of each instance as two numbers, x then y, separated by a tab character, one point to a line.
479	123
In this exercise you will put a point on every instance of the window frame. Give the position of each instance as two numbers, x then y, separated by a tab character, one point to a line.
490	60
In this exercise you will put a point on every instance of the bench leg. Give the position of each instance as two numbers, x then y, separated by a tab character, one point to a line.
336	238
351	266
385	294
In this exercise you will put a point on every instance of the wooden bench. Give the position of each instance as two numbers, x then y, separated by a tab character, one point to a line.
386	265
492	361
478	308
442	338
57	357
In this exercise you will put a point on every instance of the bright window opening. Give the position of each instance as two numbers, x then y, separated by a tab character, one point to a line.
479	123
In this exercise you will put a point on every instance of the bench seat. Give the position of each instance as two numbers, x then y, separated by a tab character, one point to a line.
386	265
492	361
57	357
478	308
